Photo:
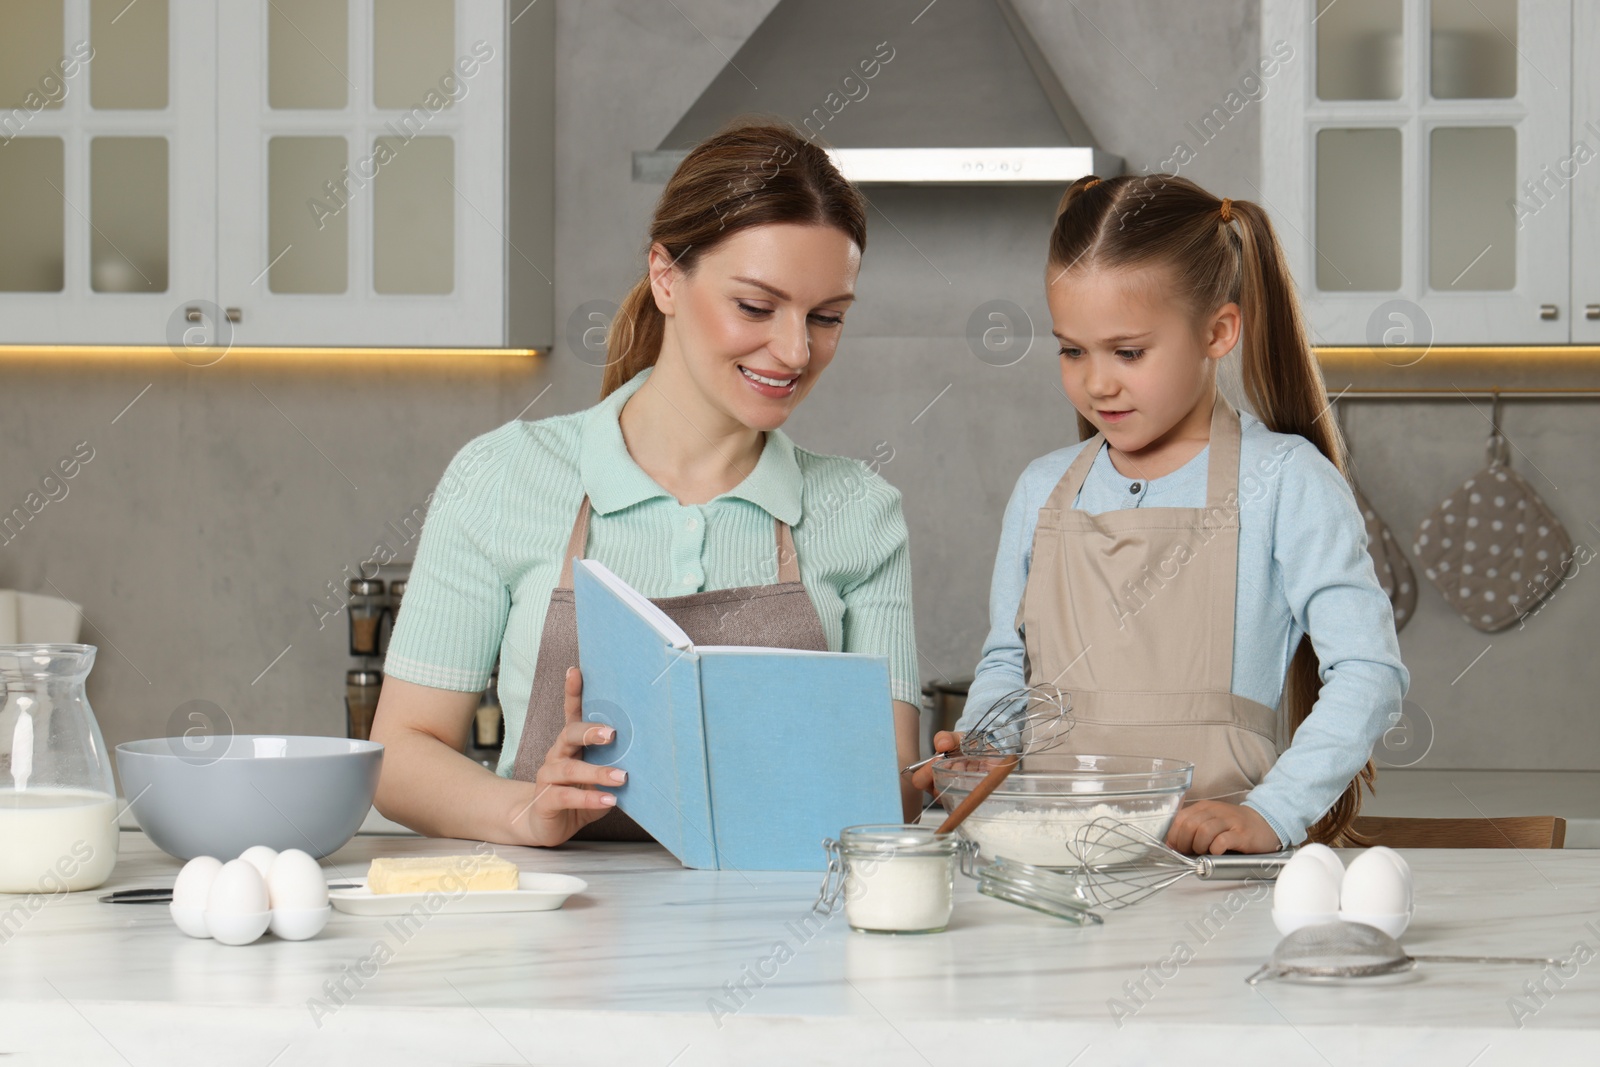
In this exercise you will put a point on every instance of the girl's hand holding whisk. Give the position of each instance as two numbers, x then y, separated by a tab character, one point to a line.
1215	827
943	742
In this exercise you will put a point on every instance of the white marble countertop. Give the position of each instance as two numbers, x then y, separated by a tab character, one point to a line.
659	965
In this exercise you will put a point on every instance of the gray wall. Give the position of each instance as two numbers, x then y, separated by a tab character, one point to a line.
206	524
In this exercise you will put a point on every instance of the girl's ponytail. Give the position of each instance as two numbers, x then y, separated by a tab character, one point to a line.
1284	384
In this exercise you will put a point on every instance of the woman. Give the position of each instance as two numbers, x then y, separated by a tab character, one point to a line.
680	480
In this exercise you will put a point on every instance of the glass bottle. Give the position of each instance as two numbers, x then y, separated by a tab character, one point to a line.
58	805
487	724
397	593
365	609
361	689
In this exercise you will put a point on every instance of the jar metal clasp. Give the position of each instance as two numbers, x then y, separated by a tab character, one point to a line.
827	901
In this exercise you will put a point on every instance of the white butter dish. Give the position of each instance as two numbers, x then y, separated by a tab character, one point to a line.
536	891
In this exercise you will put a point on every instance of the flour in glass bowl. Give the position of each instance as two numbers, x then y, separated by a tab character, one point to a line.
1045	837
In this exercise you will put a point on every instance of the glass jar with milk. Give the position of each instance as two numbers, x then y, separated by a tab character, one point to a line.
58	807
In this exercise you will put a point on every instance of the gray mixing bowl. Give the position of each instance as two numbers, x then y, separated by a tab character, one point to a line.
284	791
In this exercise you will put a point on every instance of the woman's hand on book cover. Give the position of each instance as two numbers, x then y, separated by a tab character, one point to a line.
566	797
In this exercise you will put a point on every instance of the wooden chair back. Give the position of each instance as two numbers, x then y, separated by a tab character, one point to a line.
1531	831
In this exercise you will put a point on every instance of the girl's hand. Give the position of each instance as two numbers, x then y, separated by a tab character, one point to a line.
943	741
565	798
1215	827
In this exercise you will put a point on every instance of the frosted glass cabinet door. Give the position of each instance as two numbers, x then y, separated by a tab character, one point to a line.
108	168
1404	140
1583	172
362	196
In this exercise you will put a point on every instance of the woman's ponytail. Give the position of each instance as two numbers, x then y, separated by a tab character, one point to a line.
634	339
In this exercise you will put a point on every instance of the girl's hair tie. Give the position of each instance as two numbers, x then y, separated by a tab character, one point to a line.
1091	183
1227	210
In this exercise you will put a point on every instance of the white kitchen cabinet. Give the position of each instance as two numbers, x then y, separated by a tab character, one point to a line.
1580	166
264	172
107	168
1398	145
361	172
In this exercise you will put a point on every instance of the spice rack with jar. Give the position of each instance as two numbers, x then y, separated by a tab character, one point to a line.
372	607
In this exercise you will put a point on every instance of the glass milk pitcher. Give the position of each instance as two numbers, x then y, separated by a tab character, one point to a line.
58	806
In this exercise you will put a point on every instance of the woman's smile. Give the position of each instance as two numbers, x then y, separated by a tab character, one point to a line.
776	384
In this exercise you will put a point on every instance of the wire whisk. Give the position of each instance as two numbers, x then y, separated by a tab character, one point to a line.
1120	864
1023	722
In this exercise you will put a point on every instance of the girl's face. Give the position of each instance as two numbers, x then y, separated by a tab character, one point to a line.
1133	360
757	320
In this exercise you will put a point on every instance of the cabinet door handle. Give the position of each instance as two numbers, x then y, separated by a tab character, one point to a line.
1548	311
1591	311
192	314
234	314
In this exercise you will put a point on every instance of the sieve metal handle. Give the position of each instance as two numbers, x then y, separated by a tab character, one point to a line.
1530	961
1242	867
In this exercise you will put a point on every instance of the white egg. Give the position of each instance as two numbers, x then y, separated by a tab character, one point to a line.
1324	855
1306	888
1374	885
296	882
1395	858
260	857
193	884
238	889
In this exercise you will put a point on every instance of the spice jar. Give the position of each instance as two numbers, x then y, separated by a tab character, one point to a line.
893	878
365	609
361	690
486	731
397	592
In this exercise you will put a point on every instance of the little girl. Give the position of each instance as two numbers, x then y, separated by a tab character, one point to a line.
1180	568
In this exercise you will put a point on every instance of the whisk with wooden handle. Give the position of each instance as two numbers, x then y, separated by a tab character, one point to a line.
1121	864
1023	722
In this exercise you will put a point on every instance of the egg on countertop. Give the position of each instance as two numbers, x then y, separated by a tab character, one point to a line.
1327	857
1306	887
1393	857
192	887
1376	884
296	882
238	889
261	857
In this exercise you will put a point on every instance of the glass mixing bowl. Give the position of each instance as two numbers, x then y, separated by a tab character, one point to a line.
1036	813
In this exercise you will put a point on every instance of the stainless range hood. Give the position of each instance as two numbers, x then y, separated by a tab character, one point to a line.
954	92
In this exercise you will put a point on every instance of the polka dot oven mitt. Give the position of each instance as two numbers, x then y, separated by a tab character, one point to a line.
1394	572
1488	545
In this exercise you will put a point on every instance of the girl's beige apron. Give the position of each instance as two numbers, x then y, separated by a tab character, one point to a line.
1131	611
780	615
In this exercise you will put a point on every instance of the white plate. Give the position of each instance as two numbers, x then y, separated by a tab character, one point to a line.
535	892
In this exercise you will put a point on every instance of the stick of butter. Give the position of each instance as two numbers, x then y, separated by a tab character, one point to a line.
444	874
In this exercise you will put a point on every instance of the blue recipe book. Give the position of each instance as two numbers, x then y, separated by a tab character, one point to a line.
737	757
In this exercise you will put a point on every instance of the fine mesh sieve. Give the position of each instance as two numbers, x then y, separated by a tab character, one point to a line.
1331	951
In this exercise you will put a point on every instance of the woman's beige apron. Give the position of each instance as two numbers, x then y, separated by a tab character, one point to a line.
774	616
1132	613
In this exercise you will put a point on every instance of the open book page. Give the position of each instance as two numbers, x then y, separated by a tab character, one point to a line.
670	631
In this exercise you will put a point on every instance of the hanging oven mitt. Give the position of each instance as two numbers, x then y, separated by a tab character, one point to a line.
1492	547
1394	572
